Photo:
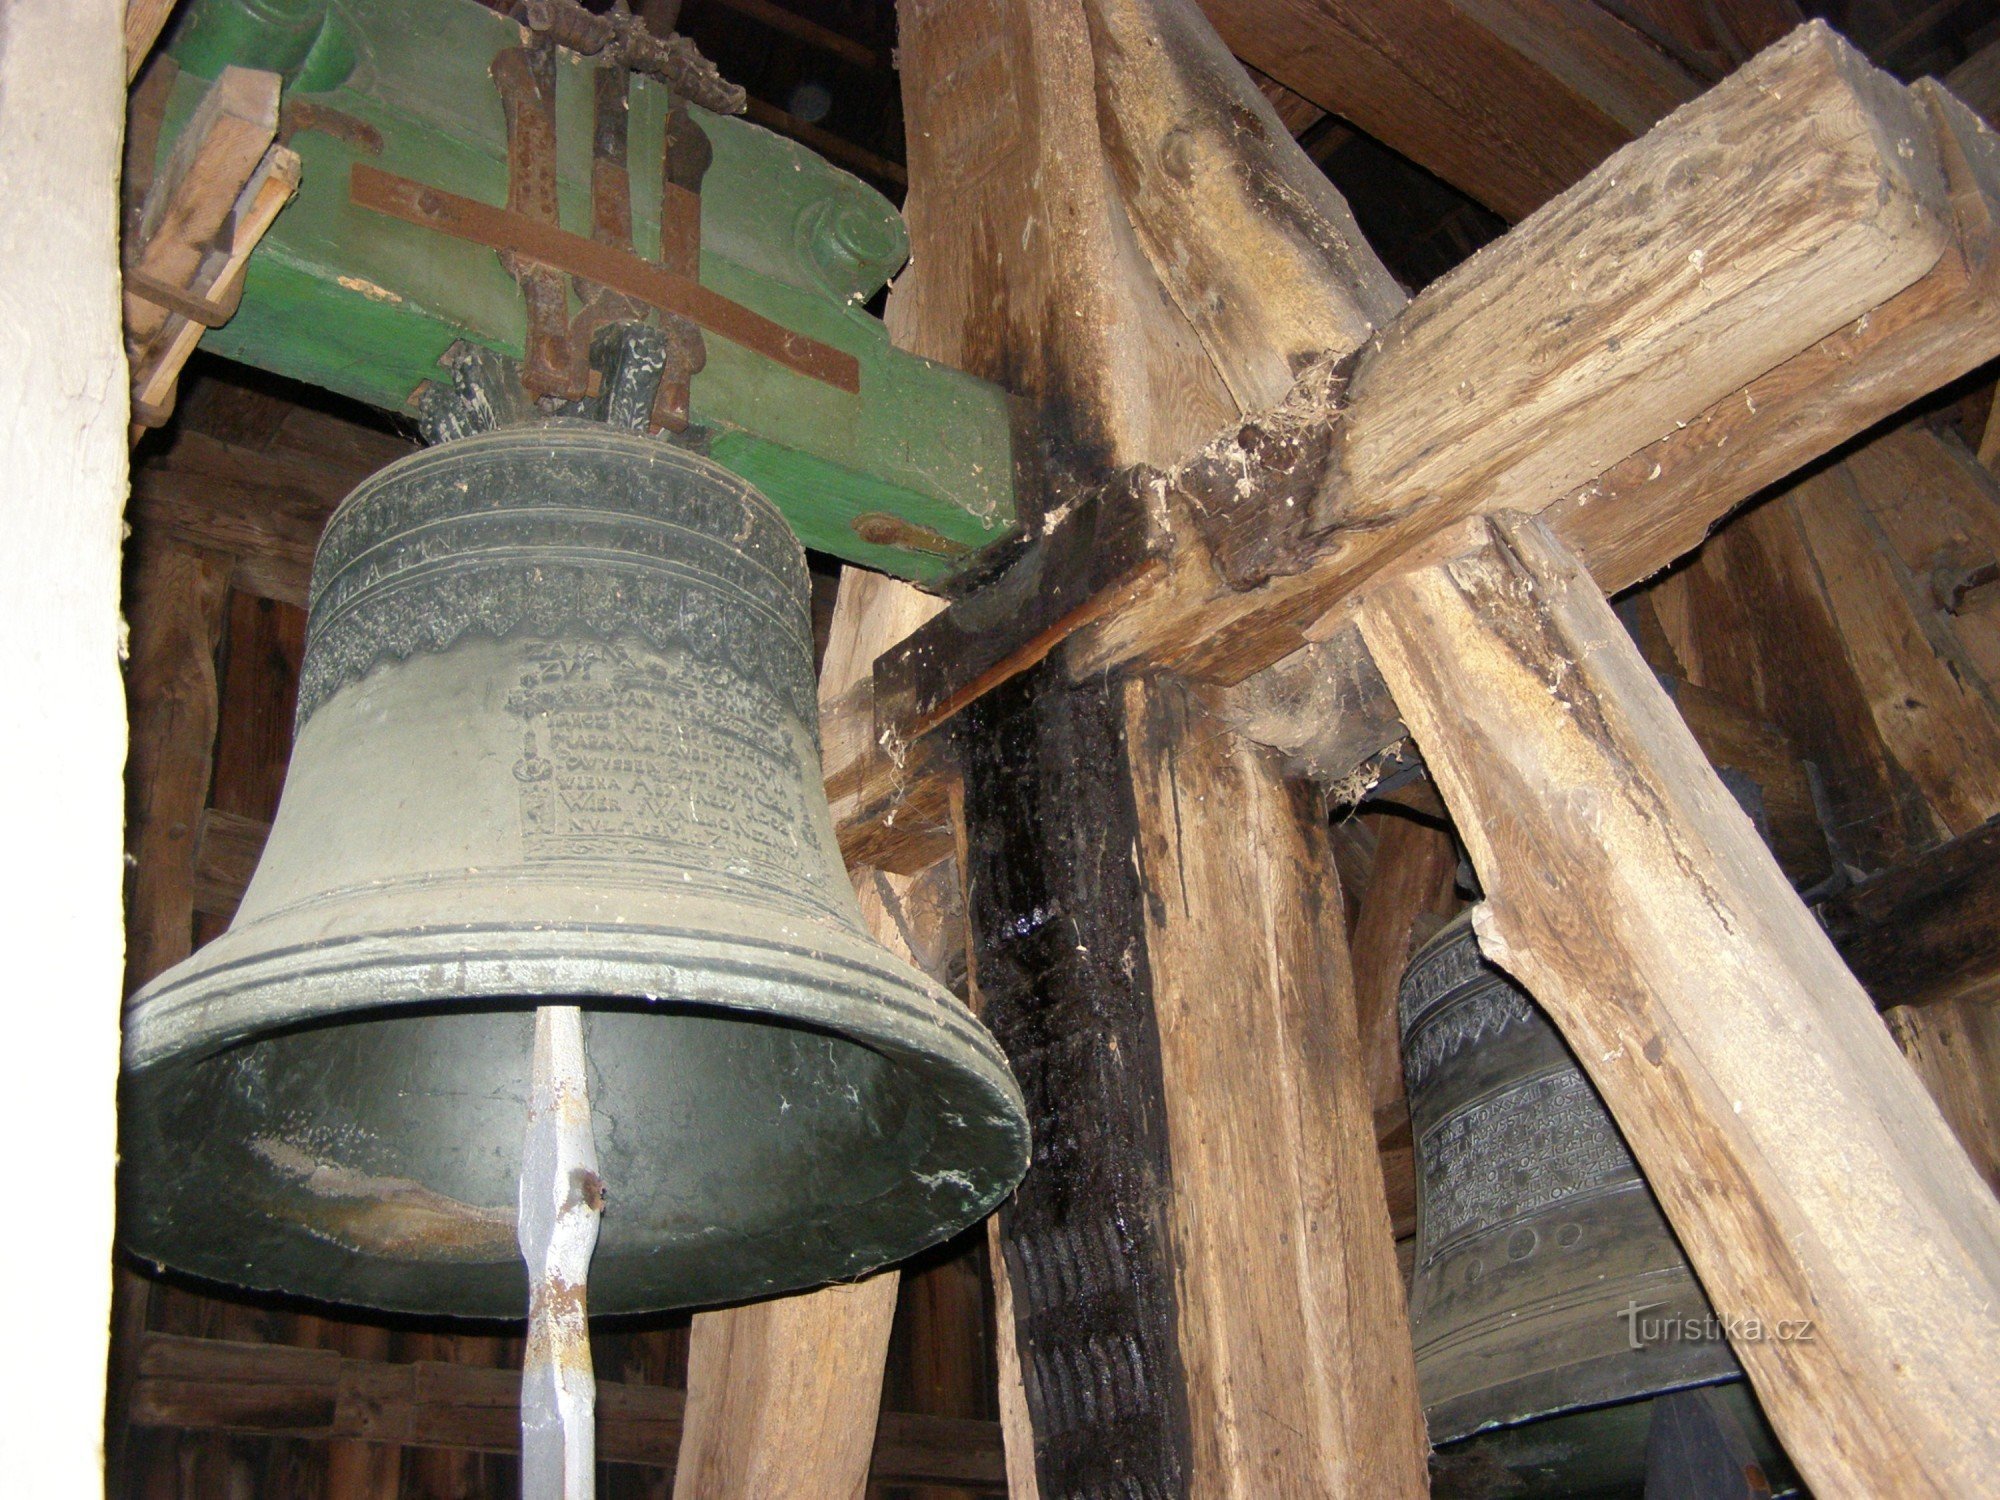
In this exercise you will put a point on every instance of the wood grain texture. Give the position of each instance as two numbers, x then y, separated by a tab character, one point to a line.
462	1406
1759	766
1633	302
227	848
1806	1172
1927	930
143	21
1936	511
1025	268
1939	728
62	431
1017	1429
1256	247
1060	975
1977	81
1954	1047
1839	206
192	196
1658	502
1290	1317
1709	37
1757	629
1412	879
176	611
783	1395
215	285
1437	81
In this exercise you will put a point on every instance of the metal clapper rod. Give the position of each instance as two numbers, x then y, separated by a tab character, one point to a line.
561	1199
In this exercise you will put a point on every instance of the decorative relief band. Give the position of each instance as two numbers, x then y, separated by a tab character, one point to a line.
1450	961
1447	1032
1506	1156
560	531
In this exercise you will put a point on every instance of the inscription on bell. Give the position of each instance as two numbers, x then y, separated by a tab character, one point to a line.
1545	1141
628	753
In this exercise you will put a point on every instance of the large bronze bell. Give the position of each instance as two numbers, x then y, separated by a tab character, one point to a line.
558	742
1550	1298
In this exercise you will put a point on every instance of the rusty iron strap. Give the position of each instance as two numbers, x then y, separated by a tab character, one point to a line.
621	270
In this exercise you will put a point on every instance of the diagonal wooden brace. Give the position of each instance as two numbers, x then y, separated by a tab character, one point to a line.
1838	1227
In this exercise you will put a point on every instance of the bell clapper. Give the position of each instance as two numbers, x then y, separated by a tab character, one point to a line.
560	1201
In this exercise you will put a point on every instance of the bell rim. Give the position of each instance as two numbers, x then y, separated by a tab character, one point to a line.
910	1021
335	976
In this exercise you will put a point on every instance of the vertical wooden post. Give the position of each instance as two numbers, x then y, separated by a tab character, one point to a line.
62	434
1811	1181
1415	868
1292	1325
176	611
1201	1264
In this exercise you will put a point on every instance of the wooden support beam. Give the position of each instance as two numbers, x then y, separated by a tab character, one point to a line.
211	297
176	611
1201	159
1510	102
1809	1177
264	507
1928	929
1025	267
1646	297
1954	1047
784	1395
1936	722
1977	81
1056	150
214	1385
143	22
791	23
1410	893
1290	1316
62	434
1200	1263
1628	305
1648	508
1710	38
227	848
182	270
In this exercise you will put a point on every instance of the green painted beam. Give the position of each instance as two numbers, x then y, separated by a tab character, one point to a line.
366	305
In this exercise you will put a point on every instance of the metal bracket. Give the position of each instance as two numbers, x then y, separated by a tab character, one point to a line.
614	285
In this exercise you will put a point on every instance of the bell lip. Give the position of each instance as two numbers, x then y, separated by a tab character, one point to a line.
177	1016
172	1025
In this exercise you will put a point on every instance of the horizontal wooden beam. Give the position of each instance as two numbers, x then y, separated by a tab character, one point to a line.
1632	303
1633	362
1926	930
1640	513
1510	103
277	1390
227	848
827	40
